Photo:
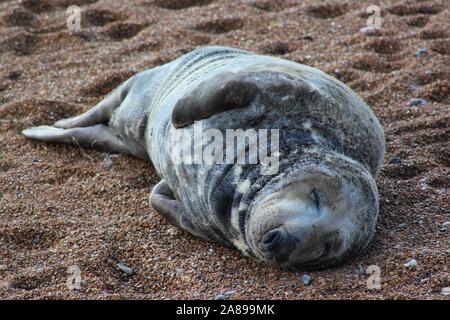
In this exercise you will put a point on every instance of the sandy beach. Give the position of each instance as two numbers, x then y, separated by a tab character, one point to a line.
62	206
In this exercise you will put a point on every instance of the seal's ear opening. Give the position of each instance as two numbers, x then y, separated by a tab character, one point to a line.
215	95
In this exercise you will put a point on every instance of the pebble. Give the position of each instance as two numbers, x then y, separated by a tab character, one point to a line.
359	270
229	293
220	297
37	240
179	270
14	75
420	52
129	271
446	224
423	184
402	225
418	102
369	31
445	291
395	160
306	280
411	263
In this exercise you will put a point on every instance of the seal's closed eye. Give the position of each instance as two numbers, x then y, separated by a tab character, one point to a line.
316	197
226	91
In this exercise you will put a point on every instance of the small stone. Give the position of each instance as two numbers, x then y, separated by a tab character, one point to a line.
306	280
179	270
395	160
411	263
172	231
220	297
418	102
14	75
359	270
229	293
446	224
129	271
420	52
423	184
445	291
402	225
37	240
370	31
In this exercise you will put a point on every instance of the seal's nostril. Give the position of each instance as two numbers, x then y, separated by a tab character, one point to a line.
277	244
274	239
270	237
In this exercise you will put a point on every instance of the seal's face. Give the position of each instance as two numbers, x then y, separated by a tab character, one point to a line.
315	221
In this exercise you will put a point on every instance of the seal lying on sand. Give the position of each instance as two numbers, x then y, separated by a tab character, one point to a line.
317	210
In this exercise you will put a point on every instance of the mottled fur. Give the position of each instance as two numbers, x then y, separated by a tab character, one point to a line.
326	130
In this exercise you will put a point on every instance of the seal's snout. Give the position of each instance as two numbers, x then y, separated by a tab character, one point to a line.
278	244
316	220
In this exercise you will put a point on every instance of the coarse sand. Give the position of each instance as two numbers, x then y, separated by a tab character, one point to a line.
62	206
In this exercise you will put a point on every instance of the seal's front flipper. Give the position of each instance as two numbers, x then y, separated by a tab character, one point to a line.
97	137
101	113
220	93
164	202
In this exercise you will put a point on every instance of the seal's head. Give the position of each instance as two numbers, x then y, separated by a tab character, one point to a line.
315	217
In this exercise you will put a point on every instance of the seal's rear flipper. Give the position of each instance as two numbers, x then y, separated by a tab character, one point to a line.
101	113
164	202
222	92
97	137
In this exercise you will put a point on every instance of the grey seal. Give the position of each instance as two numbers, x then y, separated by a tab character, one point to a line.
321	206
